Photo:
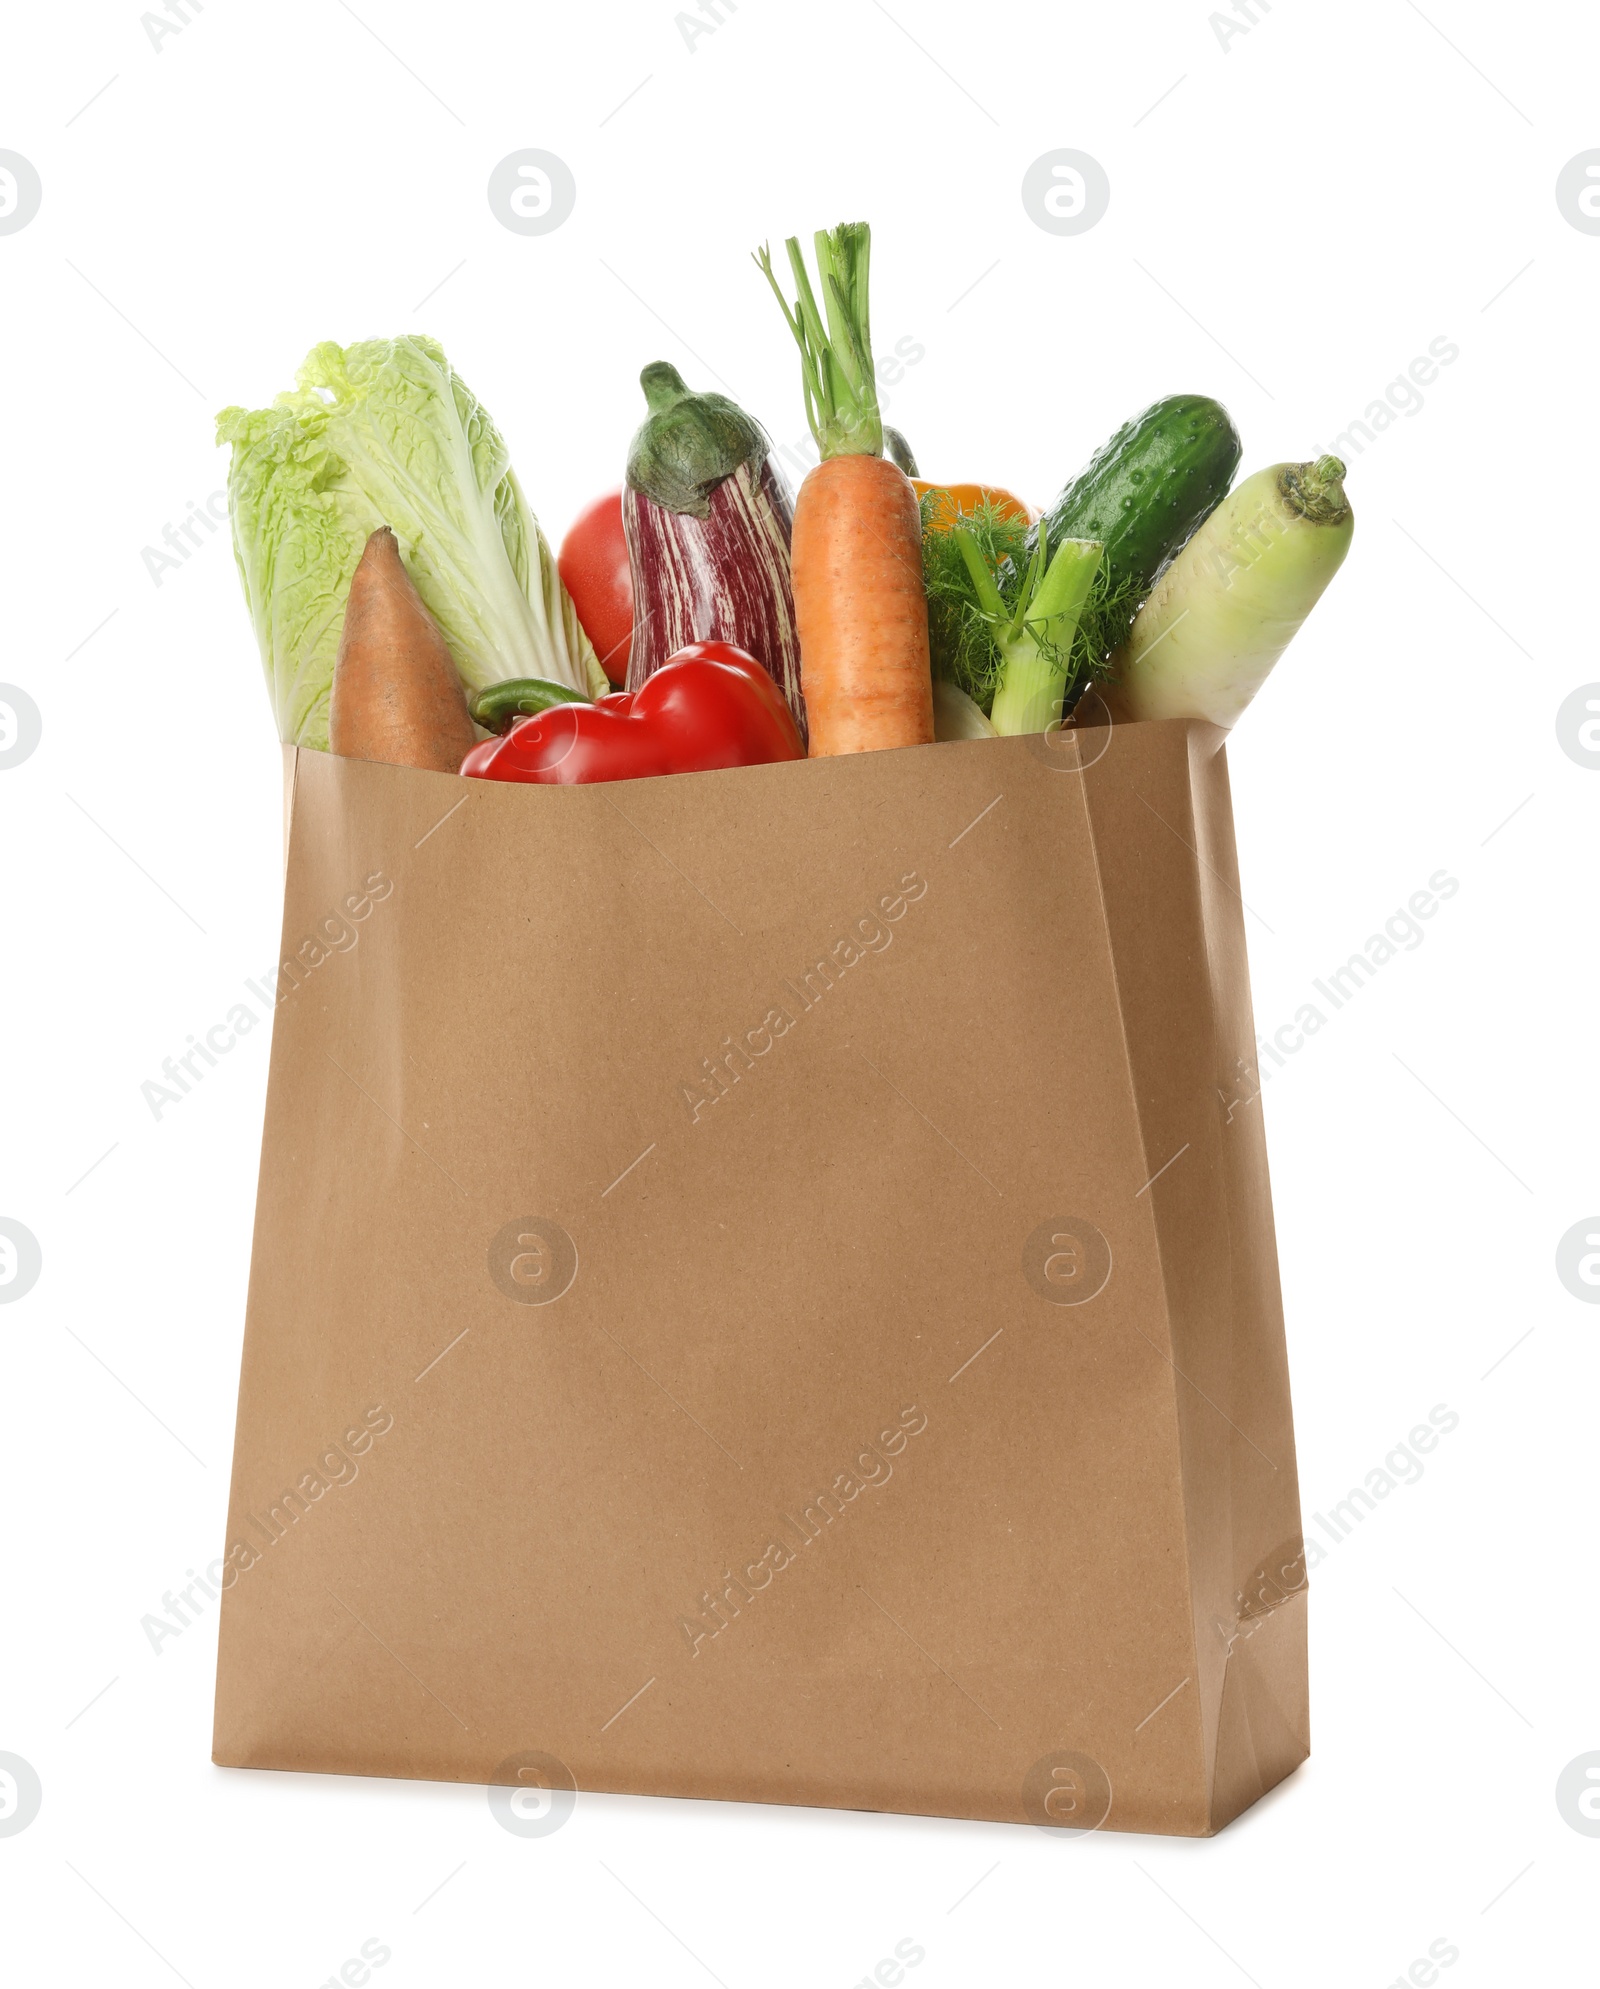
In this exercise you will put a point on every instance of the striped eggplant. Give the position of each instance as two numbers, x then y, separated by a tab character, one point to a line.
707	518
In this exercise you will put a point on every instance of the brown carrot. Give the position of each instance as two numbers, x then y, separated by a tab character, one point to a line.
856	555
860	609
397	696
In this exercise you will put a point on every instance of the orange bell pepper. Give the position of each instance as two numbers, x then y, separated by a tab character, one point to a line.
958	499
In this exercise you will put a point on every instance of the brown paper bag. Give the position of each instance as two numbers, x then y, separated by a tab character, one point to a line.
764	1288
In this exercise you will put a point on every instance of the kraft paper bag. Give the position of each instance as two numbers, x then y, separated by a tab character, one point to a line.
764	1288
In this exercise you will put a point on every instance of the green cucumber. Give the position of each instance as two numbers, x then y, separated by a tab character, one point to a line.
1142	495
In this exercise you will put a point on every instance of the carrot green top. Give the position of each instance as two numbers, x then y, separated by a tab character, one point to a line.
836	371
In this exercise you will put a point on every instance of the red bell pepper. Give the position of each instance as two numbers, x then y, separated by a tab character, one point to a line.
711	706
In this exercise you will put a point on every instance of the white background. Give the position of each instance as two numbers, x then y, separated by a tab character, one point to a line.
1301	212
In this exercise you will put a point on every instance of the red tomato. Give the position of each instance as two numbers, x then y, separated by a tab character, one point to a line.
593	565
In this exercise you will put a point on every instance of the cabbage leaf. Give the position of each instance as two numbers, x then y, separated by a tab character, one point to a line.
386	433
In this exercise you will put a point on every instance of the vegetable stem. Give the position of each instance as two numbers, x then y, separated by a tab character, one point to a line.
840	384
499	707
983	583
663	386
1316	490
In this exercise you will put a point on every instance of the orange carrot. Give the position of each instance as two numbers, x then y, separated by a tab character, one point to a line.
856	553
397	696
859	607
